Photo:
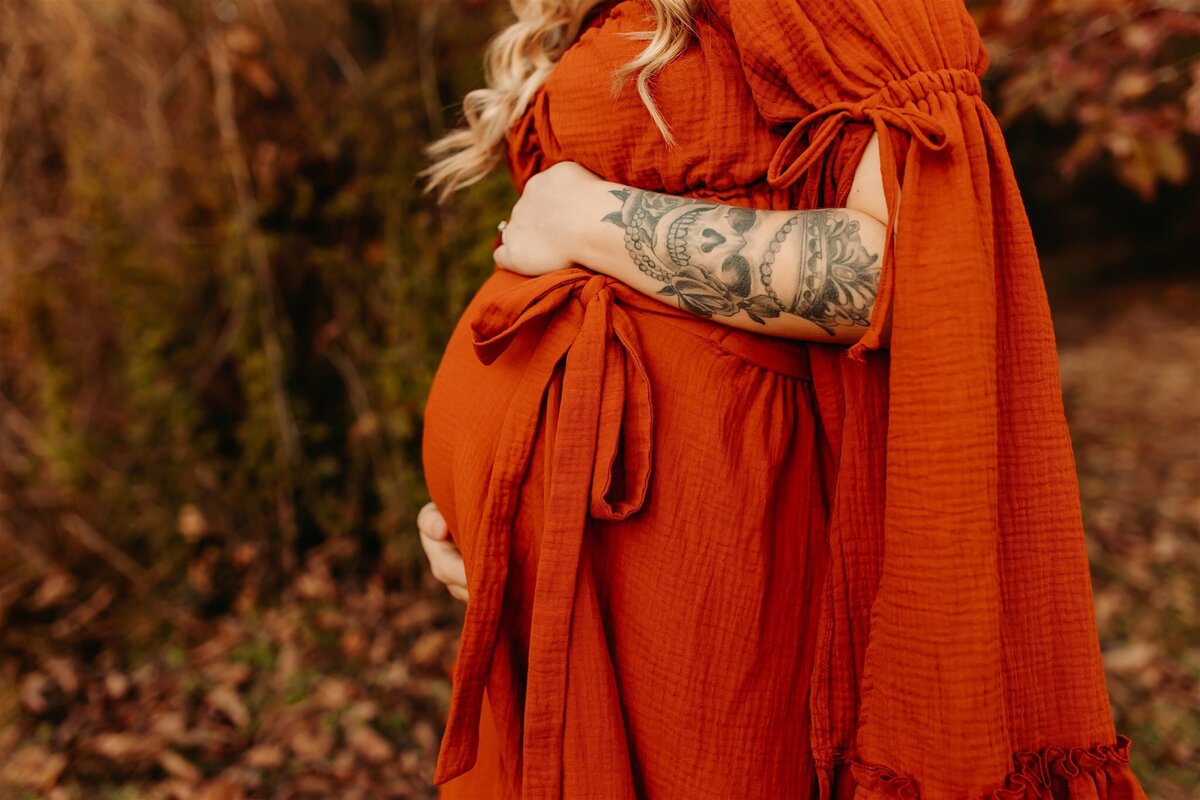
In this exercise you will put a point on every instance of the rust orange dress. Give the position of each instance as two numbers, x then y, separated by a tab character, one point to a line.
707	563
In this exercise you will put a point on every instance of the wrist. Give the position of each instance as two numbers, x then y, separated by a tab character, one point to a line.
593	238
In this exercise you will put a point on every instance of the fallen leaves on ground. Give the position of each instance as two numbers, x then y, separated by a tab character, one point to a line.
270	702
337	685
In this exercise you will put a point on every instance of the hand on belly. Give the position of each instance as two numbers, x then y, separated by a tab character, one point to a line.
445	562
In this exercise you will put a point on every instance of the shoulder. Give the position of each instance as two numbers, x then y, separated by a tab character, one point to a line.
832	12
855	44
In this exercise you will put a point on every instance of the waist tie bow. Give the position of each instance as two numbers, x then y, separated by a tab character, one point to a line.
895	104
604	414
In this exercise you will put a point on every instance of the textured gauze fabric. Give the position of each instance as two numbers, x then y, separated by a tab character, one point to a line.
954	650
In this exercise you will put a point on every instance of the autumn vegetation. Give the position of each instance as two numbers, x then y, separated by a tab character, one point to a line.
223	297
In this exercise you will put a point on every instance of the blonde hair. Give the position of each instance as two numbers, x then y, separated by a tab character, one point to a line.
520	58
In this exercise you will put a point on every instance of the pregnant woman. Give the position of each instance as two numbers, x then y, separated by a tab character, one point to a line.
759	475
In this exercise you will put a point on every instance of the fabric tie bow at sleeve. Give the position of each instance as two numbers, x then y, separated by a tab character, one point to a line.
895	105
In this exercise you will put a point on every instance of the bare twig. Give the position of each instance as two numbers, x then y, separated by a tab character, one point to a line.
30	555
427	64
14	65
356	390
351	71
17	423
84	613
223	344
271	18
23	431
179	68
11	590
288	453
93	540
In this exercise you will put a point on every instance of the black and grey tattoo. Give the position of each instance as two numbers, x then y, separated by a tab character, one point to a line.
704	253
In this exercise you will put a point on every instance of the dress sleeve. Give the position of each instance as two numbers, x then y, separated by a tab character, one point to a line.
981	673
830	74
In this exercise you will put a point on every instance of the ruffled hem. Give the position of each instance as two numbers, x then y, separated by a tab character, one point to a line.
1101	772
876	780
1096	773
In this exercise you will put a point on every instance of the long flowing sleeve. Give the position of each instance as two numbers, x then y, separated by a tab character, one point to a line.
959	652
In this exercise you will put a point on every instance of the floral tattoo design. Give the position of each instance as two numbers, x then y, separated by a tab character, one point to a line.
704	254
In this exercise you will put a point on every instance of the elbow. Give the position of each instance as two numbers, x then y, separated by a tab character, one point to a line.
867	203
872	236
867	195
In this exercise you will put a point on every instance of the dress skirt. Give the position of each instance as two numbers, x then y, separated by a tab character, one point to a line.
638	493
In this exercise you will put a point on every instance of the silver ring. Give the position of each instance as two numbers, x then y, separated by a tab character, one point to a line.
503	224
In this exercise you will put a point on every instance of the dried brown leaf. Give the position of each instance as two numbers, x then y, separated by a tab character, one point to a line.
314	784
361	712
226	700
35	688
192	523
228	673
425	736
353	643
311	744
419	613
332	693
125	748
242	39
116	685
369	744
267	755
64	673
1131	658
34	767
315	585
171	726
177	765
428	649
54	590
221	789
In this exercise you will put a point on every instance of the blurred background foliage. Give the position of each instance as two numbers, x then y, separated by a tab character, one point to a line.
222	300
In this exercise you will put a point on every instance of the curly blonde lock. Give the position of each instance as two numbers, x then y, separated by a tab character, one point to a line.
520	58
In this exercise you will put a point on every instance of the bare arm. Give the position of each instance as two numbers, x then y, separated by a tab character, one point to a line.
546	233
809	274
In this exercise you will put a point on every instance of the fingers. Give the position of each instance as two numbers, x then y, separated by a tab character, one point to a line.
501	256
431	523
445	561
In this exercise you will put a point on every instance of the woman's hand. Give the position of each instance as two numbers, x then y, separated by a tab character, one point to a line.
541	235
445	562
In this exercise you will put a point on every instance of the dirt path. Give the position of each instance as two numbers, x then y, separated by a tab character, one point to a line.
1130	362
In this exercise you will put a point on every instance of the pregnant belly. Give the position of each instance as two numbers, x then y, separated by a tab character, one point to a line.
465	410
594	378
481	414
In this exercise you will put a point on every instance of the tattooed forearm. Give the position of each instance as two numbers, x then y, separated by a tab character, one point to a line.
721	260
